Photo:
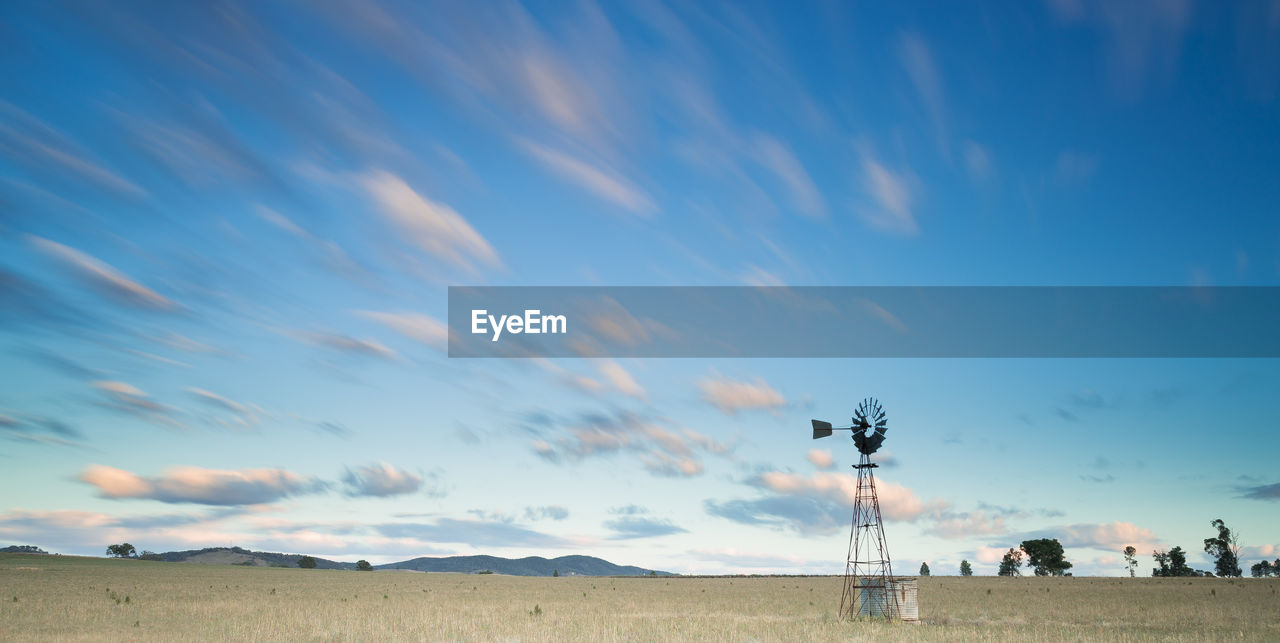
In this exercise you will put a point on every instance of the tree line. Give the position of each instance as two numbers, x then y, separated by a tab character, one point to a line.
1045	557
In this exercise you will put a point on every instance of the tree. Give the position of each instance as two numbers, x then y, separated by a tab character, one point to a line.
965	568
307	562
1046	557
123	550
1261	570
924	569
1131	559
555	573
1011	562
149	555
1171	563
1225	549
361	565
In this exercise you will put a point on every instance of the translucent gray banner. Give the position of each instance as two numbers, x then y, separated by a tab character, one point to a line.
979	321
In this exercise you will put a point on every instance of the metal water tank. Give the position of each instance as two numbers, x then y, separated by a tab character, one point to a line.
894	598
908	605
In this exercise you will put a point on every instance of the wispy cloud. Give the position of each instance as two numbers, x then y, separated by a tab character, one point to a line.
25	427
779	159
733	396
951	525
605	184
380	480
917	60
1261	492
430	225
1110	536
892	195
202	486
476	533
244	416
818	503
661	451
1142	40
978	162
347	344
631	527
820	458
28	141
619	378
104	278
416	326
1074	168
129	399
549	512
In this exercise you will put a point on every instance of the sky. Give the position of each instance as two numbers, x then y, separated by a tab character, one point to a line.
227	231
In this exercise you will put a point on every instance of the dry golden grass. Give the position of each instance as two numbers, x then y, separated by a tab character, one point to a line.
70	598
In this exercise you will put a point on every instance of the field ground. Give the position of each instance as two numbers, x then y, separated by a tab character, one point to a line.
71	598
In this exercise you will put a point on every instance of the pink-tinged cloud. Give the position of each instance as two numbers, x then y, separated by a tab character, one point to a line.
820	458
1108	536
990	555
620	379
732	396
380	480
416	326
201	486
964	525
432	226
104	278
896	501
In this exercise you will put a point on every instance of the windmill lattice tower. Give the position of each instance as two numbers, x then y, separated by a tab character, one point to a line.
868	574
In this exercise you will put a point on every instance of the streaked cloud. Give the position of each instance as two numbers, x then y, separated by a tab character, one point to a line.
380	480
246	416
820	458
347	344
26	427
659	450
892	195
28	141
631	527
129	399
619	378
201	486
548	512
732	396
1261	492
918	61
476	533
779	159
978	163
603	183
819	503
954	526
430	225
104	278
416	326
1110	536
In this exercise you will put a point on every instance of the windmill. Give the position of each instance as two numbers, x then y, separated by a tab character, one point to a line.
869	585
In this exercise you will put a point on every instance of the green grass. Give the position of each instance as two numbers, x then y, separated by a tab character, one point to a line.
70	598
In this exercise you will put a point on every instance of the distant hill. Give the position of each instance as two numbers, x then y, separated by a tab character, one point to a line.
241	556
530	566
22	549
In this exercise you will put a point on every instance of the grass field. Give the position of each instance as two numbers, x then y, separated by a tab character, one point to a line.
70	598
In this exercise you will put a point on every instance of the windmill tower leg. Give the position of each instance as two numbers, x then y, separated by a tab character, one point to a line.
868	575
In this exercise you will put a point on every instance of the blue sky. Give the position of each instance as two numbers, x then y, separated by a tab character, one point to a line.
226	234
